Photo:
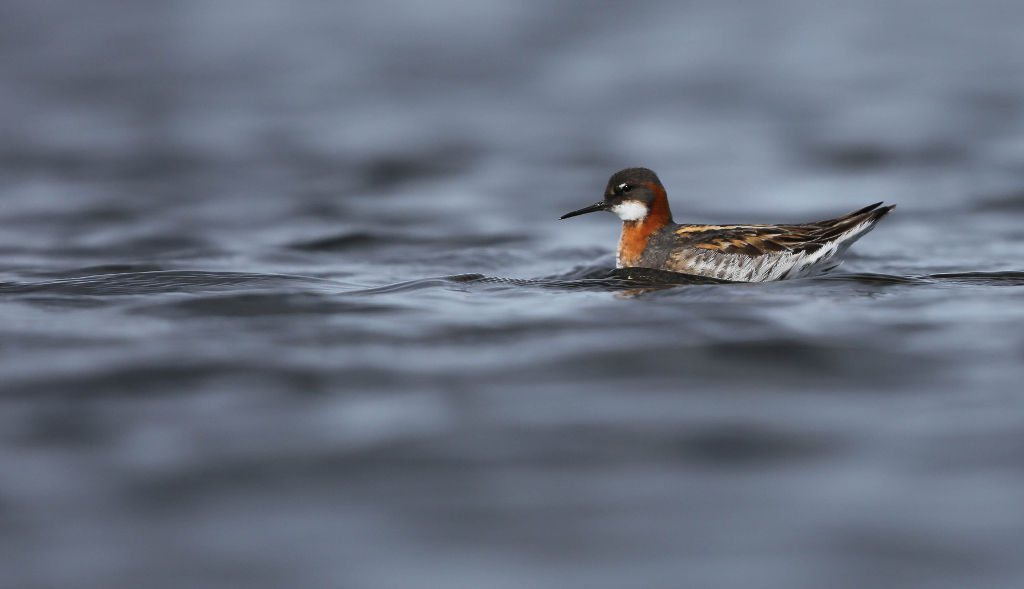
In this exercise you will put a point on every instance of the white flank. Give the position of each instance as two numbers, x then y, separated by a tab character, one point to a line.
630	210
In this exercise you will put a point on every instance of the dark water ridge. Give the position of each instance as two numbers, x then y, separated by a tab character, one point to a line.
154	282
593	278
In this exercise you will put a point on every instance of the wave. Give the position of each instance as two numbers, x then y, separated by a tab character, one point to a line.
363	239
165	281
584	278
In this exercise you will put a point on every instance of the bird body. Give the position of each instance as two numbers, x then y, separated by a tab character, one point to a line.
743	253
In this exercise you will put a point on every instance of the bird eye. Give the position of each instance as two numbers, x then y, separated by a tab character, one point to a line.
623	188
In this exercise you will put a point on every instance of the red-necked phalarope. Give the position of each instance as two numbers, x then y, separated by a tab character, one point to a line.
744	253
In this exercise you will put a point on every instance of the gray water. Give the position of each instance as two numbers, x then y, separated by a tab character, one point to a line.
284	300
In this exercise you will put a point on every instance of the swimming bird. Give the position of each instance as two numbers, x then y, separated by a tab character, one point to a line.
742	253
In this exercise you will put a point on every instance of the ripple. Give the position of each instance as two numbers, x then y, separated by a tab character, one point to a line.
366	239
585	278
264	305
1008	278
871	279
170	281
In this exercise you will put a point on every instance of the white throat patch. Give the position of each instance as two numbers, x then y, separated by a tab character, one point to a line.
630	210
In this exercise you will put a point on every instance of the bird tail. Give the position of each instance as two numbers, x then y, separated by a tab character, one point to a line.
849	228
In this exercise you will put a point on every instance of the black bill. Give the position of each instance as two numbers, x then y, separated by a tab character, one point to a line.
601	206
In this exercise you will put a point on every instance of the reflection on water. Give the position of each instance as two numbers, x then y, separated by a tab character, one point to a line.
284	300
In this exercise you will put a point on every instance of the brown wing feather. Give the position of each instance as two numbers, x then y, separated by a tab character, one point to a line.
751	240
757	240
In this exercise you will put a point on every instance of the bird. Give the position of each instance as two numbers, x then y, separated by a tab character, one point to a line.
738	253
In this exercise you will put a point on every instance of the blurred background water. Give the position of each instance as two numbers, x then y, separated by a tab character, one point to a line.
284	300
